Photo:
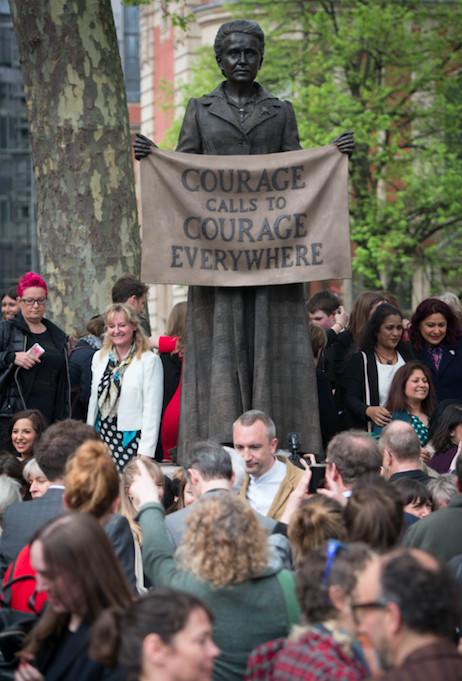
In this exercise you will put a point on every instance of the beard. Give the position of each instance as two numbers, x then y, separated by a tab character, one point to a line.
384	656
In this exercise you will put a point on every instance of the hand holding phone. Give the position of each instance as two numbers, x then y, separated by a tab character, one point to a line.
36	351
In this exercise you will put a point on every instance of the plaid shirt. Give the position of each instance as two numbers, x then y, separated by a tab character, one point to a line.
315	656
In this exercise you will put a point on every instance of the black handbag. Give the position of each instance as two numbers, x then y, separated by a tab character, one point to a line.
14	627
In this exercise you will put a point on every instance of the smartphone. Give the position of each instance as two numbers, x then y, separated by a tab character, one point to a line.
36	350
318	473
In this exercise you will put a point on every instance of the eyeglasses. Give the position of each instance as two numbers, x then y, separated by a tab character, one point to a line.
331	551
30	302
380	604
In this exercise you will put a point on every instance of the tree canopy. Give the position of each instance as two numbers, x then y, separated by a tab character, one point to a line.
389	70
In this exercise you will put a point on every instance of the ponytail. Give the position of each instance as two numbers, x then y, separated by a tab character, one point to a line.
106	637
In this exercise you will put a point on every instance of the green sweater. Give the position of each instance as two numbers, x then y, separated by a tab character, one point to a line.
246	614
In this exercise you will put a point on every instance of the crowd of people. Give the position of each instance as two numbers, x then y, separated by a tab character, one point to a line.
243	563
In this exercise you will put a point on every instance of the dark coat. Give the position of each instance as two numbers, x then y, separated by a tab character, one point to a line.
14	338
356	386
416	474
210	126
339	354
328	417
80	375
448	380
435	662
69	661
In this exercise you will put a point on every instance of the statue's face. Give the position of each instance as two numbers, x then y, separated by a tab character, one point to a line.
240	60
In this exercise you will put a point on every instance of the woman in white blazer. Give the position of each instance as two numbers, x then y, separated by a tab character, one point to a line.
127	388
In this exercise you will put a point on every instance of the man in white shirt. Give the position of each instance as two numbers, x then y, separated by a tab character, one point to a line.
270	477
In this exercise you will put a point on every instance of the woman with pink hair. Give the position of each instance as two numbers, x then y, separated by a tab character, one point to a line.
33	358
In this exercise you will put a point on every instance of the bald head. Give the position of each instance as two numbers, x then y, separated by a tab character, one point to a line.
401	441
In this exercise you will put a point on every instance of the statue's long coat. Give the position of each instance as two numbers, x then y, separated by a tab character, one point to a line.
245	348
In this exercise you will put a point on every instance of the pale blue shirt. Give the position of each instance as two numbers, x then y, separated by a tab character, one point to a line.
261	491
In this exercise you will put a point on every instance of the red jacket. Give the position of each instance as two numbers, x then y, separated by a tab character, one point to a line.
18	589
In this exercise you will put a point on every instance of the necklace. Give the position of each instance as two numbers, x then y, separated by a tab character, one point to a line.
387	361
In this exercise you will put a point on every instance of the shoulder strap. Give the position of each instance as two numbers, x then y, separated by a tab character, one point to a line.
368	389
286	581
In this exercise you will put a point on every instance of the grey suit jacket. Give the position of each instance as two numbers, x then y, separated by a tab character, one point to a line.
22	520
175	523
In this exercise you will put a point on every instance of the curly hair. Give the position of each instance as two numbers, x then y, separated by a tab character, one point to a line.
129	315
224	543
397	399
369	337
31	279
426	309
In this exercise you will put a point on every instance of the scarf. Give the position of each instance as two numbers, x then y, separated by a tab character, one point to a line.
110	394
93	341
436	354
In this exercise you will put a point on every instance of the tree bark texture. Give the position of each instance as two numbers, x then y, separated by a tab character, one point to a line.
88	232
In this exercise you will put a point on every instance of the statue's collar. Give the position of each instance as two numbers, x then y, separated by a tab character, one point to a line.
261	93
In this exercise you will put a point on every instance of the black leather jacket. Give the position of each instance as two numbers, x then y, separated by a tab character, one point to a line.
13	338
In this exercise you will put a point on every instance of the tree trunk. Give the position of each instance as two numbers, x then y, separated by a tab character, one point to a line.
88	232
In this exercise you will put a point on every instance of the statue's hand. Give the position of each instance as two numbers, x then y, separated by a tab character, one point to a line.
142	146
345	142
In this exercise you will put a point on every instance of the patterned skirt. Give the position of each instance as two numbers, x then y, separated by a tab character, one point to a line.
114	440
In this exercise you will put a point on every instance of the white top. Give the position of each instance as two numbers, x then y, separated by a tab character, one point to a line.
386	373
140	401
261	491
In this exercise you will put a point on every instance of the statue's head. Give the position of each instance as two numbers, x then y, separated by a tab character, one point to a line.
239	26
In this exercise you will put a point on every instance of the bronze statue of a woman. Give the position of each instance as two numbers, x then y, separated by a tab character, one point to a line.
247	347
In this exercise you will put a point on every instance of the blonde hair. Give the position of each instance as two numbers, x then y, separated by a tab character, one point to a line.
129	315
92	480
454	303
224	543
317	520
176	326
32	468
125	506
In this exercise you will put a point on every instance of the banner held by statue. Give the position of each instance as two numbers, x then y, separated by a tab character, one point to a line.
248	220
